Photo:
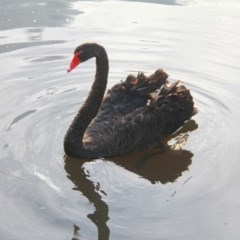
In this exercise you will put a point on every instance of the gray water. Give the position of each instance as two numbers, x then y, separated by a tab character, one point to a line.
188	189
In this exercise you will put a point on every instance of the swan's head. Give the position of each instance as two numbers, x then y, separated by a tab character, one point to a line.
82	53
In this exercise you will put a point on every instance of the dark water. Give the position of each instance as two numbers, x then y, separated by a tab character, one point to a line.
186	189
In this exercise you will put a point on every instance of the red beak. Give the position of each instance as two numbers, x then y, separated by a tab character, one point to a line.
75	61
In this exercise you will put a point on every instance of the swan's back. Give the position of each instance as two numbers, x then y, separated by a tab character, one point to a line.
137	113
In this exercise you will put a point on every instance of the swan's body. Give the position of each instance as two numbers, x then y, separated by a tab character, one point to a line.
134	115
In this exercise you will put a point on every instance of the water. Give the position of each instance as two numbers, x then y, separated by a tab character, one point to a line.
188	190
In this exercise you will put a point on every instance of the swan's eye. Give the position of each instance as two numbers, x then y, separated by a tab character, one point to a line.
79	53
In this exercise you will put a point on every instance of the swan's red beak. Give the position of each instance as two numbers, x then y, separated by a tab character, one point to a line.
75	61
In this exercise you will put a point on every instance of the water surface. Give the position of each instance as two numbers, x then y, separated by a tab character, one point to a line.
186	189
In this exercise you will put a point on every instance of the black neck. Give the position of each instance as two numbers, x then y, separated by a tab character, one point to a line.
73	143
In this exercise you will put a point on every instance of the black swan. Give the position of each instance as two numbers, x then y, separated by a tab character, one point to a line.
134	115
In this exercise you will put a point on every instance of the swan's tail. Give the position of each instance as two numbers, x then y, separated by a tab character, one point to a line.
143	85
134	92
178	96
176	105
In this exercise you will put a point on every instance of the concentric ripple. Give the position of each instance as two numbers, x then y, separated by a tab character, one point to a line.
187	188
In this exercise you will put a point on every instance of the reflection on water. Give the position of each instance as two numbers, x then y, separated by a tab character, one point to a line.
76	233
82	183
35	13
164	164
4	48
167	2
130	197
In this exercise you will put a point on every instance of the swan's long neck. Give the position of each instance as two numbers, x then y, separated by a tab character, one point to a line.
73	144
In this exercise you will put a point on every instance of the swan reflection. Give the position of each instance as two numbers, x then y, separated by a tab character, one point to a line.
163	164
82	183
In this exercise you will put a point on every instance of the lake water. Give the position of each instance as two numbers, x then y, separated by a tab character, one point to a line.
187	190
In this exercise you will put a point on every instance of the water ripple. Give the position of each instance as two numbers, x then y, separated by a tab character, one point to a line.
190	181
20	117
